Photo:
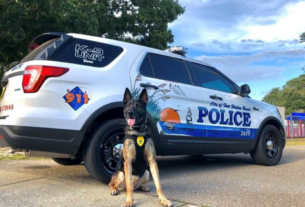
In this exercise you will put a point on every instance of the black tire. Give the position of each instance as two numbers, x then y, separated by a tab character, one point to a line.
67	161
98	149
266	156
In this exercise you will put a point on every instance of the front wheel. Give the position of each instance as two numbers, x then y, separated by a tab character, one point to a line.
269	149
103	149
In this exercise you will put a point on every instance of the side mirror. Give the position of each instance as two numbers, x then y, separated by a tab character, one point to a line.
245	90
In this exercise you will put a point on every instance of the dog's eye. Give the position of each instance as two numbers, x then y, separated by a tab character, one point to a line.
137	105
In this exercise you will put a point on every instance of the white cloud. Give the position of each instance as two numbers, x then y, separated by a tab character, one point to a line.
288	25
244	69
230	21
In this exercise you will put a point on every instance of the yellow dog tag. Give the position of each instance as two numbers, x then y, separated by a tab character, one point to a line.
140	141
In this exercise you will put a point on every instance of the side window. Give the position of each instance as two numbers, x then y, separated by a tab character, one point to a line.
89	53
208	78
146	68
171	69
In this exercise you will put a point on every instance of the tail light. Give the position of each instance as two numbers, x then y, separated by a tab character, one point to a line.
35	75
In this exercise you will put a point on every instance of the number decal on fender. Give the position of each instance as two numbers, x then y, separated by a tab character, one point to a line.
245	133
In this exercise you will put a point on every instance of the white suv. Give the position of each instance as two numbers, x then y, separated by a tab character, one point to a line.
64	100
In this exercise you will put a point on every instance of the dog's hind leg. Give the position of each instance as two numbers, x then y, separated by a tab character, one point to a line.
141	181
117	183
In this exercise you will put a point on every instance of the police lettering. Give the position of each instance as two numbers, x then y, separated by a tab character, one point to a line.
216	116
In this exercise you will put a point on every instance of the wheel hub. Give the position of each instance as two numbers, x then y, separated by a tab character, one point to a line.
117	151
269	145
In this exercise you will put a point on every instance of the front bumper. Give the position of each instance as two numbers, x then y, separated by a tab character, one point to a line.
41	139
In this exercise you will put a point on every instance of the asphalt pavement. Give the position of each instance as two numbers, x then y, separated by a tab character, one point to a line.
211	180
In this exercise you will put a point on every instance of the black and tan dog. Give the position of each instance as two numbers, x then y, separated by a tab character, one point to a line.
138	152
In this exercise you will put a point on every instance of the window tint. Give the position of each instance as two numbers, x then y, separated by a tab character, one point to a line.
171	69
146	68
208	78
89	53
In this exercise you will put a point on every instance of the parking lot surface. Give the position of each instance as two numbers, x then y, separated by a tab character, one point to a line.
211	180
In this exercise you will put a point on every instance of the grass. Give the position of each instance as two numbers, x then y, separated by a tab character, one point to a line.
295	142
19	157
4	155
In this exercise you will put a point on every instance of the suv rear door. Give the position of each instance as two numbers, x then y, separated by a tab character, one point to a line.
173	105
229	117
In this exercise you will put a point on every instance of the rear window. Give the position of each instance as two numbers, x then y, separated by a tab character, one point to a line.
89	53
38	52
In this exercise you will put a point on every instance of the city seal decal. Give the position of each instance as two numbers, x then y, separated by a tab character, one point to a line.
140	141
77	97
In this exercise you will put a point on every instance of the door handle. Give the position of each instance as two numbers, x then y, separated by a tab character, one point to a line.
145	85
215	97
256	109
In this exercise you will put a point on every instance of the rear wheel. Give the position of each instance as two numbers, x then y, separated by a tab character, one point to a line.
269	148
67	161
103	149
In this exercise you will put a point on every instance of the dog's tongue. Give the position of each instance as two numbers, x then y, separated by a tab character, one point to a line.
131	122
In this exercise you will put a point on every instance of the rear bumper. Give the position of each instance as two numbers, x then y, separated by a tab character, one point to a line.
41	139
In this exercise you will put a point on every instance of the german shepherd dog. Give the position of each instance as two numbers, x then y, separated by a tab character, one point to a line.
138	152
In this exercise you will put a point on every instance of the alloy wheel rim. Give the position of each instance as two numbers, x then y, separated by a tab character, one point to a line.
110	151
271	145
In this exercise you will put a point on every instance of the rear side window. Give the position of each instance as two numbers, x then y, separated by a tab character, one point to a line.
171	69
89	53
146	68
209	78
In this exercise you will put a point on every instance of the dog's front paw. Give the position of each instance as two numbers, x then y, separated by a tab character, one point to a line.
166	203
128	204
114	192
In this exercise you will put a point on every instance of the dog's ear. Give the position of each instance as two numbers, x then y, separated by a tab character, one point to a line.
144	96
127	96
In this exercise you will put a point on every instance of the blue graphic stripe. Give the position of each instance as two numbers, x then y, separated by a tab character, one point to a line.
198	130
231	132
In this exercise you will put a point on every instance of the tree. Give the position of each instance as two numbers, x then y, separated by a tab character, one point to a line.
274	97
292	95
302	37
139	21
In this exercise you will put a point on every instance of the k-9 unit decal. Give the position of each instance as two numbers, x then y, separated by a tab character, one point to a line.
89	55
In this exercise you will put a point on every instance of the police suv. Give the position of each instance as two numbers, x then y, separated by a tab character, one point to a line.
64	101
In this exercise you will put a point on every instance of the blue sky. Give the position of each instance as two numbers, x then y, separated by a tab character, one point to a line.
254	41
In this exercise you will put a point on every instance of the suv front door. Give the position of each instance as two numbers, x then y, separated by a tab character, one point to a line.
229	116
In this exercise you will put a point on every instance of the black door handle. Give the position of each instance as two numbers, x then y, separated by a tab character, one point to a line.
216	97
144	85
256	109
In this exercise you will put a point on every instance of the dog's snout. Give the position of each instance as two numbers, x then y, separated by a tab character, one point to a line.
130	113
